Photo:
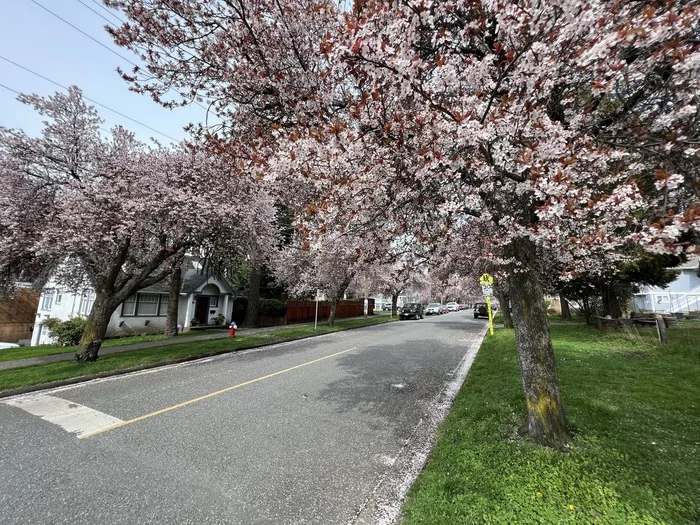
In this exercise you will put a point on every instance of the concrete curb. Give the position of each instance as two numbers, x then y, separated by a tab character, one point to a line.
122	371
383	505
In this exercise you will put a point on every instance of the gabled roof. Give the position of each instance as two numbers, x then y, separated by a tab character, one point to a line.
192	278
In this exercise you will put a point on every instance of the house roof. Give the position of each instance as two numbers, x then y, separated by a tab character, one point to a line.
191	280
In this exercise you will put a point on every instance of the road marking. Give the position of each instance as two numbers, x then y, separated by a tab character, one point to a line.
71	417
207	396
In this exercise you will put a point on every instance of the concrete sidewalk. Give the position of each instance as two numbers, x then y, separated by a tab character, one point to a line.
31	361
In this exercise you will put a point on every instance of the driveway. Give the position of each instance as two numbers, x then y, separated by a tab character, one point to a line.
316	431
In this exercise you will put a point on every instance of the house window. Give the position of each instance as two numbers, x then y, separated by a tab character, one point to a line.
87	299
214	301
147	304
47	300
59	296
129	306
163	307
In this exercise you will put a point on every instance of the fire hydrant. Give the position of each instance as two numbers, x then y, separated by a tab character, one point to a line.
232	330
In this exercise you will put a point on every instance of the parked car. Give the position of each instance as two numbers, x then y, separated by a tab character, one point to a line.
443	309
411	311
386	307
433	309
480	310
463	306
452	306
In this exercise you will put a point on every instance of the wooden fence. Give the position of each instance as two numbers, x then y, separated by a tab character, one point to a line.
302	311
17	315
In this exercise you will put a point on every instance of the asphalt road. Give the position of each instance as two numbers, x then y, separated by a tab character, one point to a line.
300	433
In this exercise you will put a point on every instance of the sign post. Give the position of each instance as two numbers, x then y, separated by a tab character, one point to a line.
316	317
486	282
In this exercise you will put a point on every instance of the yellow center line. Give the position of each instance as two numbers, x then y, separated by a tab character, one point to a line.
207	396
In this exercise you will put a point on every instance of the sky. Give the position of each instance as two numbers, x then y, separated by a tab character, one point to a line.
37	40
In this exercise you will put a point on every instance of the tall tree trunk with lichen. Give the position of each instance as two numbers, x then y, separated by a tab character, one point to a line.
546	421
173	301
504	302
95	329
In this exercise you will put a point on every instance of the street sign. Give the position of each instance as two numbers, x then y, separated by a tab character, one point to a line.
486	282
485	279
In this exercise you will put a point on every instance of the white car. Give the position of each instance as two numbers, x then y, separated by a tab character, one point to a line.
452	306
4	346
433	309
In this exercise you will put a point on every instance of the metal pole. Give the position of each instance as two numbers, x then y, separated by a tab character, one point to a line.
316	318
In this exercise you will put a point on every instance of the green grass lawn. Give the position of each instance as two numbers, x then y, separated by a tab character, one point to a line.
13	354
33	375
635	456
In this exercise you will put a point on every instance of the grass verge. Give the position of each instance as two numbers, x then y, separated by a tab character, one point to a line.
38	374
14	354
635	455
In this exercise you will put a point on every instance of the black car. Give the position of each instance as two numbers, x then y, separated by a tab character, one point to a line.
411	311
480	310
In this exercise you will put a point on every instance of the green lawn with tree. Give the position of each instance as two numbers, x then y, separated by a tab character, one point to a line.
634	411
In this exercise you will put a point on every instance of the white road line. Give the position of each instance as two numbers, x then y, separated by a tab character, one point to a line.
70	416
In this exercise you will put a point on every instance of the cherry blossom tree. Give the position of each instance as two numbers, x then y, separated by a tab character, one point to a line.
329	263
544	119
116	215
564	129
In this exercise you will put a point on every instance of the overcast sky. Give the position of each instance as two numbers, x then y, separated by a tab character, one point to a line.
37	40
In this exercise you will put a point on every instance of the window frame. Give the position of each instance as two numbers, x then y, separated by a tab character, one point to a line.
160	310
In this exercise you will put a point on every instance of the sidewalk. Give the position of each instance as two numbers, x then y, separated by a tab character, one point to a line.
31	361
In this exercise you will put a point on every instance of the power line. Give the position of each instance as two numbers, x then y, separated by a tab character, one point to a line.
84	33
99	4
112	24
10	89
86	98
98	14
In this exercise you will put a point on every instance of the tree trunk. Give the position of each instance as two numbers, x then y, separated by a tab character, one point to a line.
173	301
394	302
95	330
504	302
546	421
565	311
251	314
334	309
611	301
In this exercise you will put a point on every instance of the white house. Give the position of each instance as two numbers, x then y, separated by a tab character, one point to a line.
681	296
203	297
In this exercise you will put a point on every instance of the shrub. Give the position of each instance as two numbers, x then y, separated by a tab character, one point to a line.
272	307
66	333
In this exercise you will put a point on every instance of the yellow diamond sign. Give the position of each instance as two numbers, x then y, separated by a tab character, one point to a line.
485	279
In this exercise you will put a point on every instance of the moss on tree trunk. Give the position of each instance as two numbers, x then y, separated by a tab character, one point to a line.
173	301
95	330
546	422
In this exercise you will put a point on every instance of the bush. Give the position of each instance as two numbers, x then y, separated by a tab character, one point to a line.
66	333
272	307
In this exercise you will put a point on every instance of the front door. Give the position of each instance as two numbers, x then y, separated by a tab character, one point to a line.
201	311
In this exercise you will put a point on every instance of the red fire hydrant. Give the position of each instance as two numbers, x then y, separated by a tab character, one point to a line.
232	330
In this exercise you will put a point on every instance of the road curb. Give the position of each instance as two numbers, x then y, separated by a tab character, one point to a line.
383	505
123	371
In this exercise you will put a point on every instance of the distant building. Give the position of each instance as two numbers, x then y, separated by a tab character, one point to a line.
203	297
681	296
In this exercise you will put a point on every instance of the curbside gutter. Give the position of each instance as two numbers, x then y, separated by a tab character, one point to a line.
123	371
383	505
